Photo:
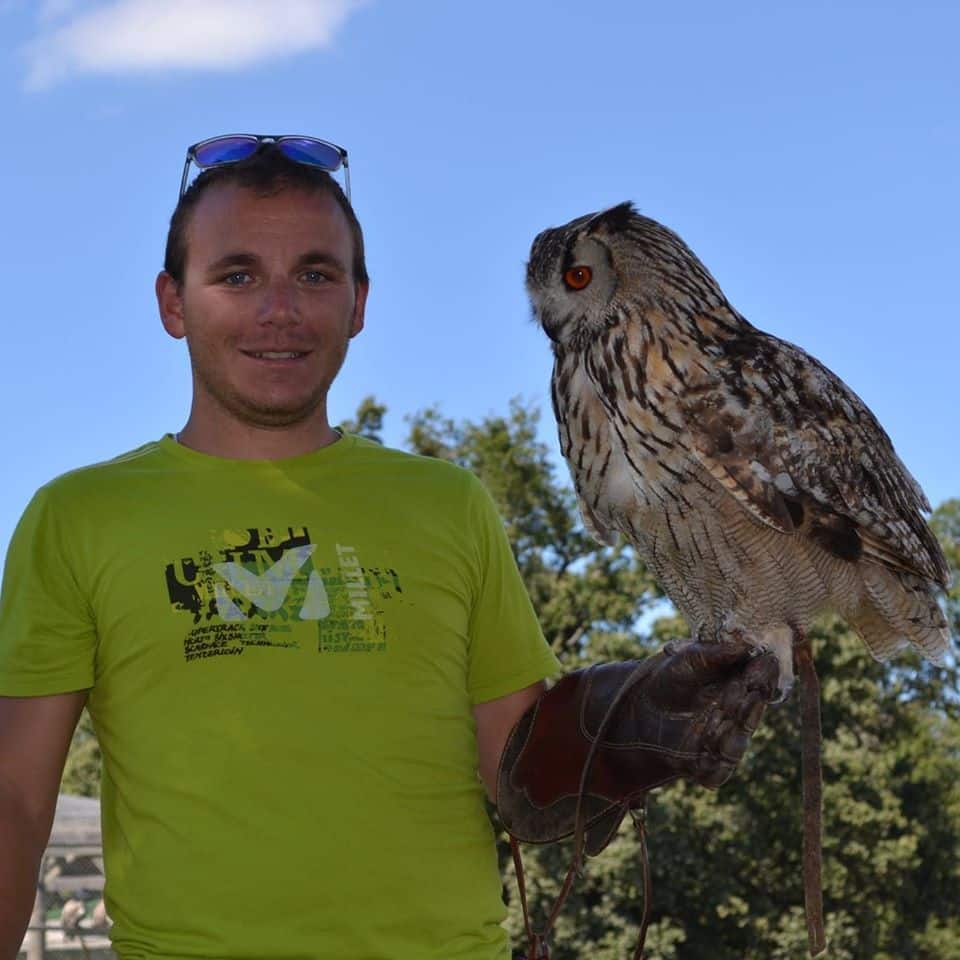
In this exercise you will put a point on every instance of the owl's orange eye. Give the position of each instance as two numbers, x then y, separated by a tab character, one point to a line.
576	278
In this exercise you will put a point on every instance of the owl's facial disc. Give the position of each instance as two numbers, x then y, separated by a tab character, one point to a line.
571	280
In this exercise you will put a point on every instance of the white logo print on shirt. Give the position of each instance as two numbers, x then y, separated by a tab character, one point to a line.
269	590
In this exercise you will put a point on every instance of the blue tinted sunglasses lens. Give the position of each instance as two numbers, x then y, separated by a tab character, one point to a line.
230	149
311	151
225	150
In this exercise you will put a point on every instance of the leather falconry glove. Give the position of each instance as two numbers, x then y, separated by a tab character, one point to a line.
687	711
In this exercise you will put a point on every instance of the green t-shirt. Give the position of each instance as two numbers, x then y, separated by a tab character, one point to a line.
283	658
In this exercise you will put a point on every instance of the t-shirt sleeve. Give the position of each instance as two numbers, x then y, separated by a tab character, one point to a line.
507	648
47	632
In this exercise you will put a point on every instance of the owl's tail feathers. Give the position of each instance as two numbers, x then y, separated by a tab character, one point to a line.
898	610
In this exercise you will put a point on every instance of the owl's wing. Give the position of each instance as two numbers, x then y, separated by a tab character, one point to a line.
584	441
797	447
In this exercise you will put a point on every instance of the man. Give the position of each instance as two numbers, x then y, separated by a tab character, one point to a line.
298	648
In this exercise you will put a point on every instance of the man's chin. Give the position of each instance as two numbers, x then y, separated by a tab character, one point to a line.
278	418
264	409
272	414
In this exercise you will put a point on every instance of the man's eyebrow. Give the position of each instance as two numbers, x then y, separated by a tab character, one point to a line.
321	257
237	259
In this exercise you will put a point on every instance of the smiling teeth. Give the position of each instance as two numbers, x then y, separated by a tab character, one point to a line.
278	356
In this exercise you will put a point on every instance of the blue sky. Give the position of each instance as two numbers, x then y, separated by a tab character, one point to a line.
807	152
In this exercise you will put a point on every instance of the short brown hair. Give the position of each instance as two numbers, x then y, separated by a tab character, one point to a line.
268	171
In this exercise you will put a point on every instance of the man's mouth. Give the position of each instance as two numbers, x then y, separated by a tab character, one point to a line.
275	354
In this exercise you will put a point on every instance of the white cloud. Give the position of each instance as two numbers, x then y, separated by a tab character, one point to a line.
127	36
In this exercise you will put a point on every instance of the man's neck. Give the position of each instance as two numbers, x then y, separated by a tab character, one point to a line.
238	441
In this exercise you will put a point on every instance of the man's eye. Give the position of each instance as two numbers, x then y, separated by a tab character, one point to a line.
237	279
314	276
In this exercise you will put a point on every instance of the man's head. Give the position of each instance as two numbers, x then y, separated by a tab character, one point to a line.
264	278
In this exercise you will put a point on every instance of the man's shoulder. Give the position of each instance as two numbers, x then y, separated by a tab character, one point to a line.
98	476
414	465
442	486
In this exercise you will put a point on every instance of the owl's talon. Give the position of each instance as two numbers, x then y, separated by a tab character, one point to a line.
782	692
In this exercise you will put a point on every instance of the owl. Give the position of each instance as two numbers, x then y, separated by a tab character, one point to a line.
754	484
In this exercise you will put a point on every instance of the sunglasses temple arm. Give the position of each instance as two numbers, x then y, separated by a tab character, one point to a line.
346	177
183	179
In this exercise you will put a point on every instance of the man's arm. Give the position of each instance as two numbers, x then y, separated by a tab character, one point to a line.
495	719
35	735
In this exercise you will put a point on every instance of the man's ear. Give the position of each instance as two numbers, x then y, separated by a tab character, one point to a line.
359	306
170	303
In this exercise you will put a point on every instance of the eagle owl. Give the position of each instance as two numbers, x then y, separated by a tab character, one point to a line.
755	485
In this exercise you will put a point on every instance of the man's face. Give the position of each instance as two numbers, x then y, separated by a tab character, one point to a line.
267	306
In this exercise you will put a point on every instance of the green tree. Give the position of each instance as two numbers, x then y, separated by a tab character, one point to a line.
946	525
368	421
81	772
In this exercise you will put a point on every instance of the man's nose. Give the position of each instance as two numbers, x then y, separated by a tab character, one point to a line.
279	305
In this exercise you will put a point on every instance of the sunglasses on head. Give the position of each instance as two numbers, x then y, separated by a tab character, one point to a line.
232	148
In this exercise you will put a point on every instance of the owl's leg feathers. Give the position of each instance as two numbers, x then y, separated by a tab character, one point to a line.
812	793
778	640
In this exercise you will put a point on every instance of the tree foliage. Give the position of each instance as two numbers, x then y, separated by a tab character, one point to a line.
81	773
368	421
725	865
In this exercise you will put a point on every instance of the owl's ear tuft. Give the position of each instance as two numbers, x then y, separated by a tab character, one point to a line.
615	219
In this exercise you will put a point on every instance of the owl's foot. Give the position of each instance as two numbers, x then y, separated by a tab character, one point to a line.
776	640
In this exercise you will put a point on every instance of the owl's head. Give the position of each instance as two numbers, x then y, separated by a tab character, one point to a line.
606	268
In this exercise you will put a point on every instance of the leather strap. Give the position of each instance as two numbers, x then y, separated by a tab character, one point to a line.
538	943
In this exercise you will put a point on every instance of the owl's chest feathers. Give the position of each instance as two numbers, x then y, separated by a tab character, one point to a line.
612	463
641	380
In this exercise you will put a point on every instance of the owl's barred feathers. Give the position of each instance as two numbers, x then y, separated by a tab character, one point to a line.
754	483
